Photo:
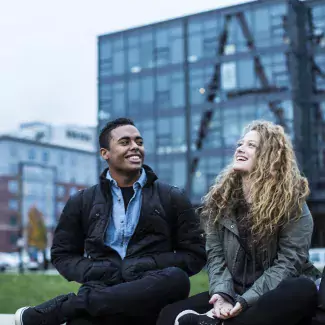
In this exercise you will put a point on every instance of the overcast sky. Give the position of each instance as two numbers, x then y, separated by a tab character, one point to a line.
48	52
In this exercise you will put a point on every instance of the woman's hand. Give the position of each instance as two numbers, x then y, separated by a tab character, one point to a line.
221	307
236	310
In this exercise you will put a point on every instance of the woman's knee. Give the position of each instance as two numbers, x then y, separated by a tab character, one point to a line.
301	286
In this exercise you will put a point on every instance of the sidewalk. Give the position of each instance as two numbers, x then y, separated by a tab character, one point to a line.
6	319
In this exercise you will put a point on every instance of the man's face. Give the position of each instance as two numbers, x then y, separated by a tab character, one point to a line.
126	151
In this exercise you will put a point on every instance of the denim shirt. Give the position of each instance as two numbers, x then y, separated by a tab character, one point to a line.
123	223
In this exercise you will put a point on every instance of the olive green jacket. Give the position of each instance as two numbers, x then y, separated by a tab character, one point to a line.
286	256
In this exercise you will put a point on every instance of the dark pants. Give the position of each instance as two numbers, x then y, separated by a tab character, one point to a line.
136	302
293	302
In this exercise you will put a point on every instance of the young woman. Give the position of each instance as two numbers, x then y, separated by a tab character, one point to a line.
258	231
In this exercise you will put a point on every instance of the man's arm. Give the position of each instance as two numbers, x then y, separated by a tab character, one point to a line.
67	252
189	251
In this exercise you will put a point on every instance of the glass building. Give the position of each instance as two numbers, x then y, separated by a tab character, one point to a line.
192	83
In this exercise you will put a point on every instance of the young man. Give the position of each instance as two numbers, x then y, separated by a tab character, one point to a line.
131	241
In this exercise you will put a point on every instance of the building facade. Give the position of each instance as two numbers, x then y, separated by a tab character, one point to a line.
191	84
42	175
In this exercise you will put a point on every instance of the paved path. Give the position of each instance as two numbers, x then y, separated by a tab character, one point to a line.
6	319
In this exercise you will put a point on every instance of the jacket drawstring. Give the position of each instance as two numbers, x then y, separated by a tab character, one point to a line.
254	260
245	272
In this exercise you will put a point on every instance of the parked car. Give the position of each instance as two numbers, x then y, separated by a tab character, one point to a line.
10	261
3	266
317	257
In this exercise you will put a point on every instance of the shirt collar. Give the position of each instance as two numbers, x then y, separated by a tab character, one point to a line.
141	181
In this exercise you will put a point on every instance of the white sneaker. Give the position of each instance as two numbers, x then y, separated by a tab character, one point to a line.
19	316
197	319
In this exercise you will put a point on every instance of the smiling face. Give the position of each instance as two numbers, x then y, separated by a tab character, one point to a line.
126	151
245	155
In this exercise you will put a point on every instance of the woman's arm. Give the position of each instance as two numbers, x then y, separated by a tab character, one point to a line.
293	252
220	279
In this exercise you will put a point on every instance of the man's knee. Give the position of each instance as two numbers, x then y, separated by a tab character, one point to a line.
179	279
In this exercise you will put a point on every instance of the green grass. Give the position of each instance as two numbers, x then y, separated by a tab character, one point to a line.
32	289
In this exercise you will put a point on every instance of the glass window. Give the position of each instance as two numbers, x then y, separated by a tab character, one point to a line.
13	239
177	50
162	37
134	57
13	152
13	186
118	63
262	20
118	99
46	156
105	49
163	126
199	184
118	42
61	191
228	76
178	130
73	190
162	56
163	95
147	90
178	94
214	165
13	204
149	140
264	112
231	131
134	95
31	154
210	46
13	221
146	49
179	173
177	90
195	47
105	68
195	24
213	138
246	74
169	44
134	90
62	159
60	206
196	83
204	32
105	92
164	171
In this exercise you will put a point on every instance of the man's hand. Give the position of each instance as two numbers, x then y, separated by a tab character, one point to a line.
221	307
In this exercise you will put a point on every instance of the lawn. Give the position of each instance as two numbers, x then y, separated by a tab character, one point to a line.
31	289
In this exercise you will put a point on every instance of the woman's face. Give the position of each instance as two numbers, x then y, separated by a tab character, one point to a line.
245	155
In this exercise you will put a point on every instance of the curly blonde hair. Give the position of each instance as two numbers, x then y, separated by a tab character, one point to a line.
277	189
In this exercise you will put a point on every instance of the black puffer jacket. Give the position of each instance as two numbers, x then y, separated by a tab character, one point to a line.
159	241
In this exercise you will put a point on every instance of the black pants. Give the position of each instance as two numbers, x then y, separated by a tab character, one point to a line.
293	302
136	302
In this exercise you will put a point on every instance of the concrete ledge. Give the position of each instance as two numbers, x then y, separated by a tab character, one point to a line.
7	319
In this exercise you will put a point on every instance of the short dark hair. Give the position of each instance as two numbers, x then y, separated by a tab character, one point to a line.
105	134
